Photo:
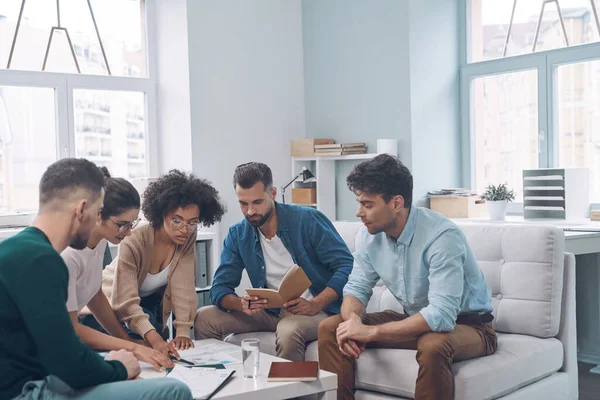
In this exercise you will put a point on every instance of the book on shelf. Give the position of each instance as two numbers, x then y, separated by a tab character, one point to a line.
294	283
339	153
293	371
339	146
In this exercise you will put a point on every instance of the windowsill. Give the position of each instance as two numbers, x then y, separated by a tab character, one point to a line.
5	233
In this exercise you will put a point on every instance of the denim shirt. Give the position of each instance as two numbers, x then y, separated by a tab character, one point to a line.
306	233
430	269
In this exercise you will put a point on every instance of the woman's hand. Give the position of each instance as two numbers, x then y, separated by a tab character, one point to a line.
154	357
182	343
158	343
166	348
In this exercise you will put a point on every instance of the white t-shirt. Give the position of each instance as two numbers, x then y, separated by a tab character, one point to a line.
278	261
85	274
153	282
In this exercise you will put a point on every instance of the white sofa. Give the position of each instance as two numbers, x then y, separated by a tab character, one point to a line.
533	295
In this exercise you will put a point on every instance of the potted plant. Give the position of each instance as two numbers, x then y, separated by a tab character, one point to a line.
497	198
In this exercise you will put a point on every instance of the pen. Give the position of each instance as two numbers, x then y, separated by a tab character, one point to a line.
182	360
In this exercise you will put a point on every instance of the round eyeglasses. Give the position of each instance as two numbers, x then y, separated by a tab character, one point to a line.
124	227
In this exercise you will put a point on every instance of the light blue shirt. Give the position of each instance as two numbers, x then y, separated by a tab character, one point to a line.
430	269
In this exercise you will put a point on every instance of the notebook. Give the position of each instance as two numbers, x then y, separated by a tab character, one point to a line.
203	382
294	283
293	371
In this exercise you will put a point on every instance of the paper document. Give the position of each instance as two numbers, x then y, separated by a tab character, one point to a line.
203	382
294	283
213	354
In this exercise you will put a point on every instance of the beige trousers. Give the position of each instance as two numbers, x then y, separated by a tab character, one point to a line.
291	331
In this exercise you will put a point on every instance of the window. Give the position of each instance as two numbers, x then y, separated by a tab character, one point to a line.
505	131
122	36
530	108
109	130
104	112
27	131
530	28
578	109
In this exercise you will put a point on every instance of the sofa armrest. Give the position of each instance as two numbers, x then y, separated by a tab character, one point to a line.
567	332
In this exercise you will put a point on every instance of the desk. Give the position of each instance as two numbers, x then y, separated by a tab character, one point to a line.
586	247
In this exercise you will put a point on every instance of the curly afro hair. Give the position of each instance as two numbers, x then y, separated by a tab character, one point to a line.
384	175
178	189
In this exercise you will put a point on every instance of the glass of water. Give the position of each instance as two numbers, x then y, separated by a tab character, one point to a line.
251	357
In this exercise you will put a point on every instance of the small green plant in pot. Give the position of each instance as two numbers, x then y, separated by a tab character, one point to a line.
497	197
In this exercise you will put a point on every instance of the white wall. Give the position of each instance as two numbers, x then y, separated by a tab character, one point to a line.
246	89
173	94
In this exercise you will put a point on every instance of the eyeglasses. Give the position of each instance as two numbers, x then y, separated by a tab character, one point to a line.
124	227
180	225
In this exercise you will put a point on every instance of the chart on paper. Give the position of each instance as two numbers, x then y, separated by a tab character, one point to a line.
213	354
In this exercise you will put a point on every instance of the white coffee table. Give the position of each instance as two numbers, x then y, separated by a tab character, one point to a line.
240	388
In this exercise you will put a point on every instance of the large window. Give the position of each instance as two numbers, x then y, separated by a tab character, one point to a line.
121	34
74	82
504	28
505	127
578	123
530	99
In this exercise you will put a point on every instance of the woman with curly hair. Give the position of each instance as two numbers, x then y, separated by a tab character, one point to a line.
154	272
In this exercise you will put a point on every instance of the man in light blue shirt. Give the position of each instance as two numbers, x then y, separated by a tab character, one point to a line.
426	263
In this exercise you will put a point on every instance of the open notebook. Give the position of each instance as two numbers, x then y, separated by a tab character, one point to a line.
294	283
203	382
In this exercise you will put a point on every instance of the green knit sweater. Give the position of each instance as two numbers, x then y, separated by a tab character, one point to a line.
37	338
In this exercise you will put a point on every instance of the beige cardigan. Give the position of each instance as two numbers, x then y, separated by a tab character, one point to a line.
122	279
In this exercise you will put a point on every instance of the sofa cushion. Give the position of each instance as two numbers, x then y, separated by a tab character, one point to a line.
347	231
519	361
382	299
524	267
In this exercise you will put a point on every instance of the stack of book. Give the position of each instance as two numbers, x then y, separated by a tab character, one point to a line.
453	192
340	149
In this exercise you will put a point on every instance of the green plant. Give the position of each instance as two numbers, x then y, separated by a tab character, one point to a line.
498	193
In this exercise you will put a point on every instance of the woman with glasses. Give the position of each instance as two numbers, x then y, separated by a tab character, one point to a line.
116	220
154	273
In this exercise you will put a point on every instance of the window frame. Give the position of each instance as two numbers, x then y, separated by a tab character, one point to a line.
64	85
546	63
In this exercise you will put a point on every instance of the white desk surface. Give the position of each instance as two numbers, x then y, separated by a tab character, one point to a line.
576	242
240	388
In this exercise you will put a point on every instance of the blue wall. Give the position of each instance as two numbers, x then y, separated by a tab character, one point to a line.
385	69
356	69
434	95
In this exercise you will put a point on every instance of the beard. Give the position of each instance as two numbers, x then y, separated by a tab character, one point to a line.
258	220
79	242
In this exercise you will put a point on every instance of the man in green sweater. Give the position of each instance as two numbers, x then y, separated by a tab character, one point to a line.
40	355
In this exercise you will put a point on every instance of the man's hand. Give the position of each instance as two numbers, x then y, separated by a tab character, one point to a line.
302	306
253	304
351	348
151	356
128	360
182	343
354	329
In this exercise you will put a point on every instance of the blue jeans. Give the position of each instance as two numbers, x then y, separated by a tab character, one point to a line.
152	307
53	388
